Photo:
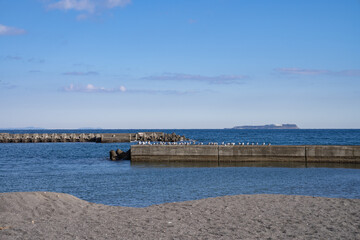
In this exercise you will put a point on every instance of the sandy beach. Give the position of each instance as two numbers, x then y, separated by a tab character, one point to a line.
48	215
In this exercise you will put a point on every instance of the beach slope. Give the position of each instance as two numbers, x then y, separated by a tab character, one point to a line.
47	215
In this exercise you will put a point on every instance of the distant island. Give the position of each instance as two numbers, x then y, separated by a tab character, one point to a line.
268	126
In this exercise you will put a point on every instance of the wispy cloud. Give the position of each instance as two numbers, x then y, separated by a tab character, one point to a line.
160	92
89	88
89	73
6	85
19	58
89	6
83	65
82	17
6	30
11	57
192	21
117	3
316	72
35	60
221	79
301	71
349	73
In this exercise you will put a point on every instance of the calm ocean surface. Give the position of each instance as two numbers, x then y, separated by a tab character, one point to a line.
83	170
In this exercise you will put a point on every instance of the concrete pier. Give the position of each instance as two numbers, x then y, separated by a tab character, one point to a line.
89	137
239	153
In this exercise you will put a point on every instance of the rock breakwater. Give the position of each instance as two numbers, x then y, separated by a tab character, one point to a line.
89	137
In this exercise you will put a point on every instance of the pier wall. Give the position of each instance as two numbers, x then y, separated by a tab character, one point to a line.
261	153
237	153
333	153
174	153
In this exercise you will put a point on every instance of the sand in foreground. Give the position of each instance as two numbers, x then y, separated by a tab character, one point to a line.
40	215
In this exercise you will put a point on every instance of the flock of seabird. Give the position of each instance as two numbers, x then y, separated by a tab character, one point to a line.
198	143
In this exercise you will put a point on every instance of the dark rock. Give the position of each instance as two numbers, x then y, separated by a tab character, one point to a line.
119	152
113	155
119	155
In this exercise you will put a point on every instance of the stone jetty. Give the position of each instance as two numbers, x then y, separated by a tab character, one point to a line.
245	153
89	137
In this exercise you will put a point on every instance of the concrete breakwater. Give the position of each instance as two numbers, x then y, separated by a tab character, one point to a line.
89	137
247	153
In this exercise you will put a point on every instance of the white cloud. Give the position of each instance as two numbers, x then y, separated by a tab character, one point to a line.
90	88
87	5
6	30
80	5
122	88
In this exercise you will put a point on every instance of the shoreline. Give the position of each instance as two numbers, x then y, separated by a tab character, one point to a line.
49	215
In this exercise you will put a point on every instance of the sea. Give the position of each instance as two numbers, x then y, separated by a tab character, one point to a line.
85	171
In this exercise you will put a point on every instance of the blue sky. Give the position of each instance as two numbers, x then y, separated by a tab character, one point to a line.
179	64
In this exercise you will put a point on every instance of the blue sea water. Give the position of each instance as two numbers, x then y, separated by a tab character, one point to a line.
83	170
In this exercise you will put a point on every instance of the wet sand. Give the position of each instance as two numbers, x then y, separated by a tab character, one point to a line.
45	215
